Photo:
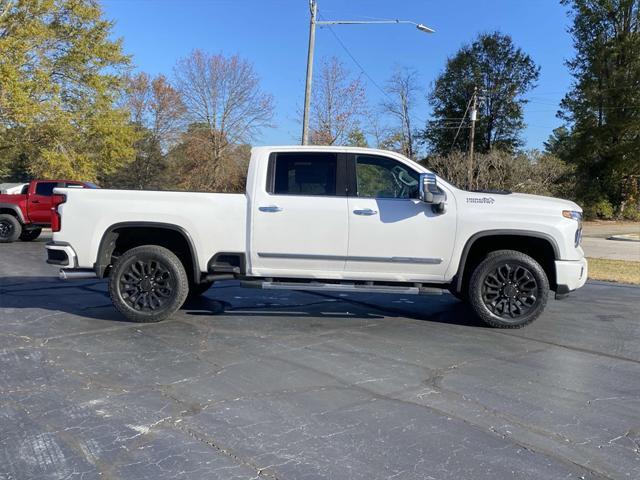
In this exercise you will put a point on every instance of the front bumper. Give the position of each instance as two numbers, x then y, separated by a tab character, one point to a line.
570	275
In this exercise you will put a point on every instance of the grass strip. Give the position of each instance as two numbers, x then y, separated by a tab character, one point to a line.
622	271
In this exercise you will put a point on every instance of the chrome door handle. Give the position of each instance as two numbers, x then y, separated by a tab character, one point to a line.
366	212
270	208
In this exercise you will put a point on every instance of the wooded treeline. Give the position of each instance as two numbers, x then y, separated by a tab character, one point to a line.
72	106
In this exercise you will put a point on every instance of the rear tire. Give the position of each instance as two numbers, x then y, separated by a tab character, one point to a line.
148	284
30	235
10	228
508	289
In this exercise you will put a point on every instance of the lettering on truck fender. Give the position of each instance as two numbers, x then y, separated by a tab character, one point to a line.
488	200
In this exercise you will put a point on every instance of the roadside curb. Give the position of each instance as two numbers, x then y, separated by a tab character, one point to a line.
630	237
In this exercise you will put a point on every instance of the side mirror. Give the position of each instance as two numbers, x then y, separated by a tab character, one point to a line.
430	193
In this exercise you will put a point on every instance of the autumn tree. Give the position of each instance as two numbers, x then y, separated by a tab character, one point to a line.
157	113
402	89
338	103
226	109
503	74
60	74
602	110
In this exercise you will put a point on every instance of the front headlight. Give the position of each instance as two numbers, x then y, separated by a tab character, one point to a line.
577	216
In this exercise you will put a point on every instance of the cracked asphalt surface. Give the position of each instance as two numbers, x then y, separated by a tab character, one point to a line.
290	385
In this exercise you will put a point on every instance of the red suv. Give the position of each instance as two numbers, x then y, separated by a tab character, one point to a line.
23	215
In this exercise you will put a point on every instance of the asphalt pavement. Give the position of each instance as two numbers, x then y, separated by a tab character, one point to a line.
291	385
597	240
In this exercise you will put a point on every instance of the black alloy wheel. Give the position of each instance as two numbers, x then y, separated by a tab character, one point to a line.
510	290
148	283
6	228
10	228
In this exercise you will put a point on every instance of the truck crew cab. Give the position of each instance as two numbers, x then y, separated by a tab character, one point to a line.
325	218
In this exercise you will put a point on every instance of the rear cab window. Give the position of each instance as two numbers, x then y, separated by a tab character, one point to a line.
46	188
305	173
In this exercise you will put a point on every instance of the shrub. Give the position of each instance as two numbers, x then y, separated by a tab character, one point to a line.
631	213
602	209
530	172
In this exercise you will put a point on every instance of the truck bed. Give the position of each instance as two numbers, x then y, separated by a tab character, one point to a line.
216	222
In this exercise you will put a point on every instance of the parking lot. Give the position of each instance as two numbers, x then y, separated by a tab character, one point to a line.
292	385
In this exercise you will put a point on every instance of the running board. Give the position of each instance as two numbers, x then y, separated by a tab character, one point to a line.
341	287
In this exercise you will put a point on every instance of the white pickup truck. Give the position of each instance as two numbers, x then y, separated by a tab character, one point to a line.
324	218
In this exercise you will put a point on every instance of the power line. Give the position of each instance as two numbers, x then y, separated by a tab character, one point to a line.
595	107
364	72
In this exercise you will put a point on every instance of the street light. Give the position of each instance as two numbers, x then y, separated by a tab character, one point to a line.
313	7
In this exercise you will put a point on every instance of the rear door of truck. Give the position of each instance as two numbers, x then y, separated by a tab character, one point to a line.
299	216
39	201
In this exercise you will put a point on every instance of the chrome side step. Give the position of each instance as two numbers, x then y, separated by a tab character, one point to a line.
341	287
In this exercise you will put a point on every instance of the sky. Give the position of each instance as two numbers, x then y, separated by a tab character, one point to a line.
273	36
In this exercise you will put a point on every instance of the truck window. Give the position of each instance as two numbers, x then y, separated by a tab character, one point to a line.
305	173
380	177
45	188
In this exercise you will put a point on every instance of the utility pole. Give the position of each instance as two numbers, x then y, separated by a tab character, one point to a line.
313	8
472	136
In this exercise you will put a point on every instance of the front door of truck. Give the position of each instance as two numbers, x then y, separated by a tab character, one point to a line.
392	235
299	216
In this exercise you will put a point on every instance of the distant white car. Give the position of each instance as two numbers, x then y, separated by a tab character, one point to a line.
15	189
325	218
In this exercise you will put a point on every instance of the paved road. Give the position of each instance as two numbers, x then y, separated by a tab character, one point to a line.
245	384
596	245
611	249
604	229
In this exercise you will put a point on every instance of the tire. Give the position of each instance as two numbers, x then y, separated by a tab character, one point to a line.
508	289
148	284
197	289
30	235
10	228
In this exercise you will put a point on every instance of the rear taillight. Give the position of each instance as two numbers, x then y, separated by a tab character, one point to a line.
56	221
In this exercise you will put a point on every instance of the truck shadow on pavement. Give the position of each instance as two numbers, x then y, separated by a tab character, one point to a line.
90	299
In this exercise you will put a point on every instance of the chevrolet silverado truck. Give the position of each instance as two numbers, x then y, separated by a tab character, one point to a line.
25	214
328	219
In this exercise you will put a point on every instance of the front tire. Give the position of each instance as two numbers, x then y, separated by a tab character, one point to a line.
30	235
10	228
508	289
148	284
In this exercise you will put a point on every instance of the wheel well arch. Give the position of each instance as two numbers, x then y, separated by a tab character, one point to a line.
120	237
540	246
12	210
